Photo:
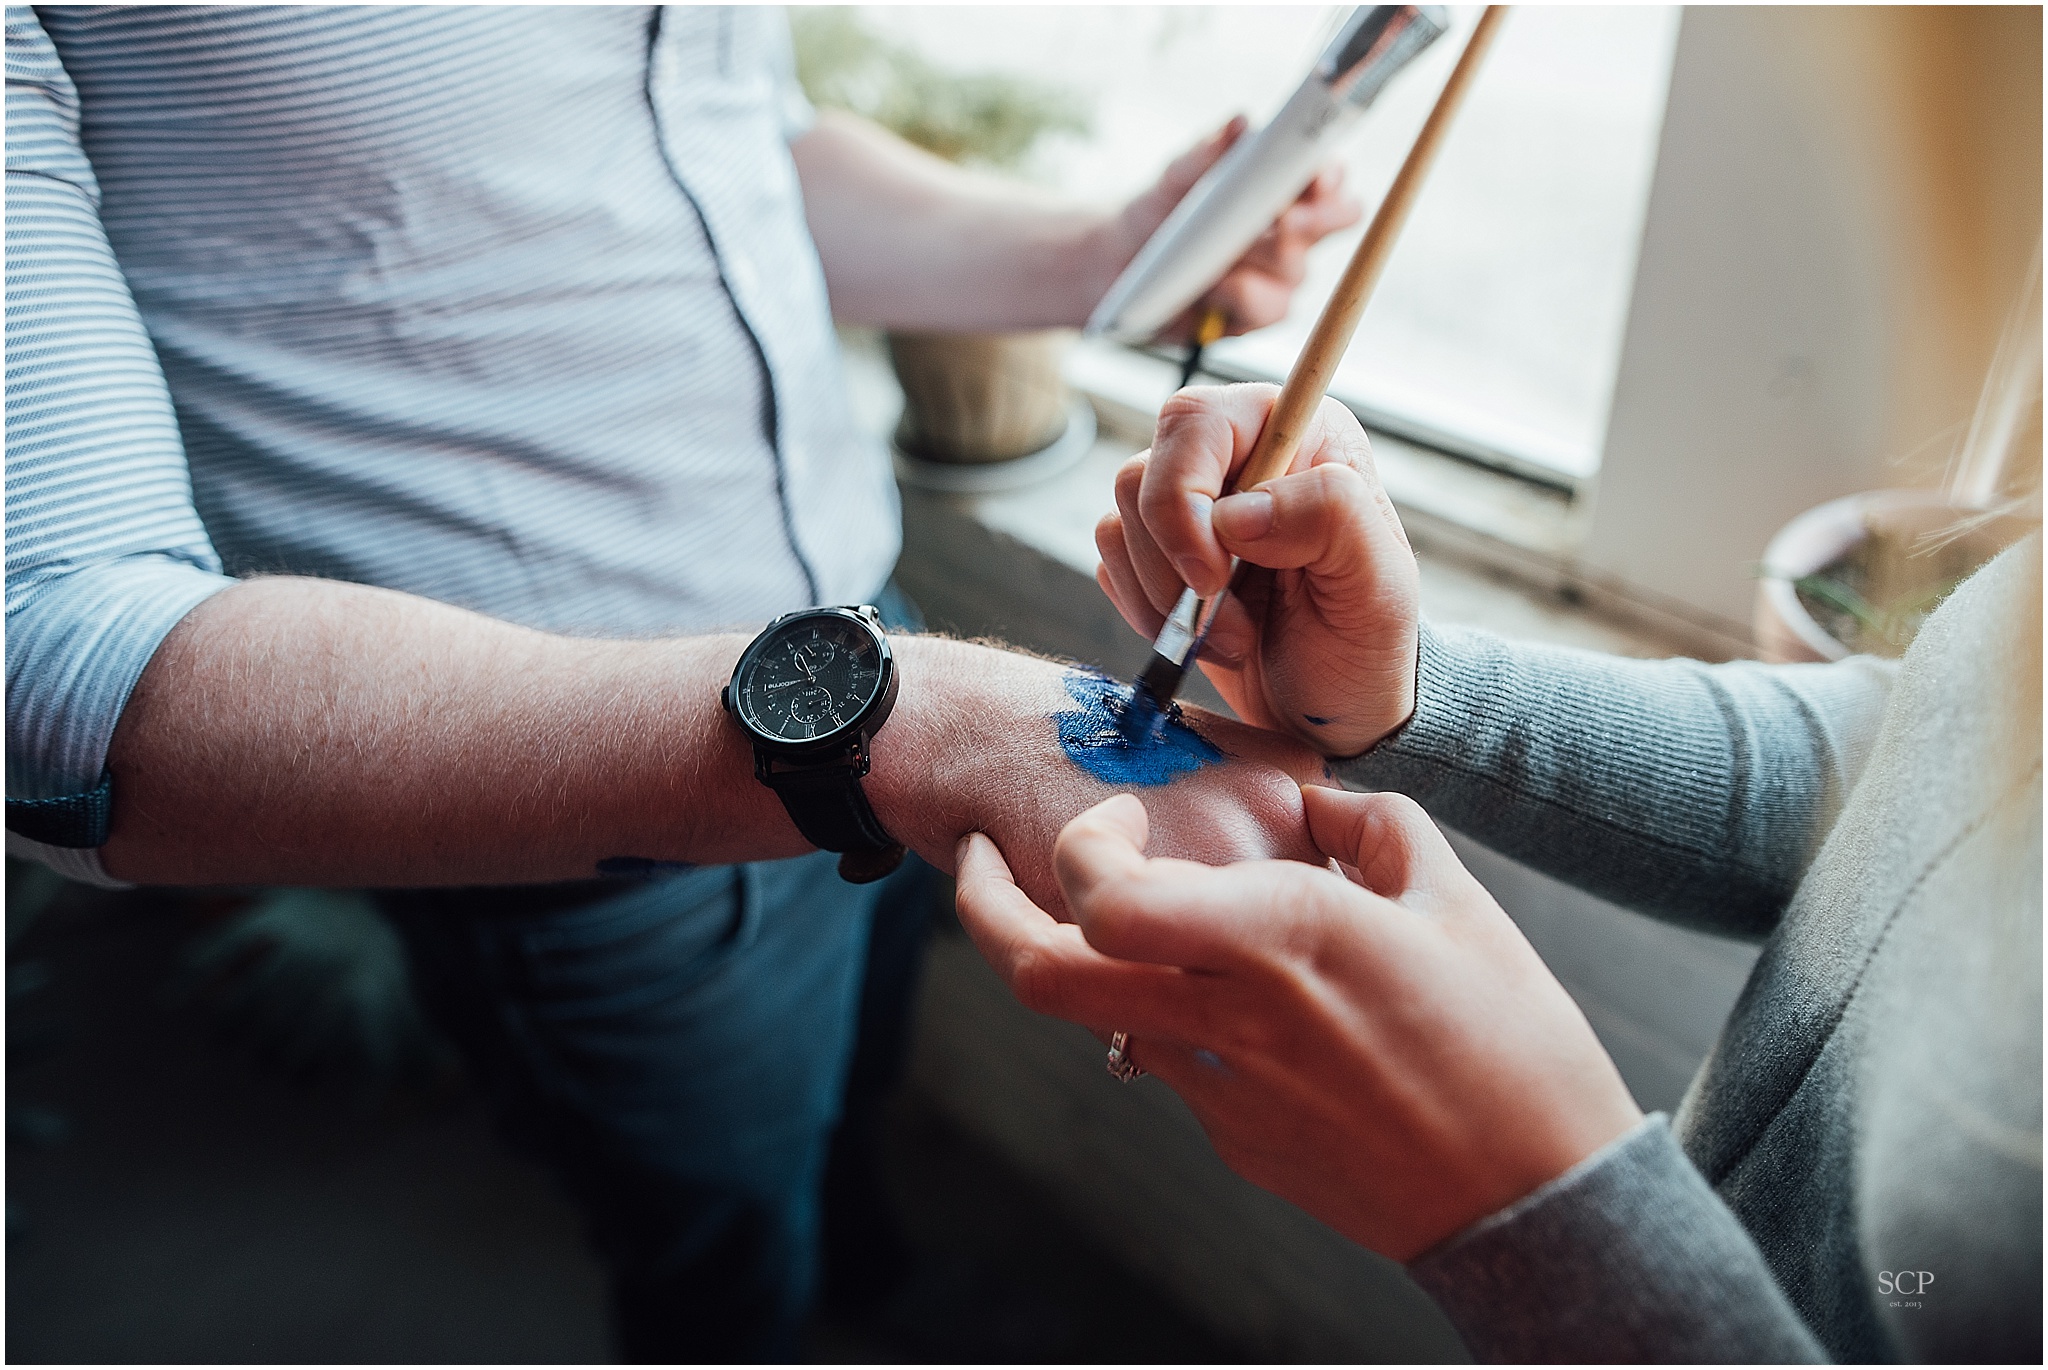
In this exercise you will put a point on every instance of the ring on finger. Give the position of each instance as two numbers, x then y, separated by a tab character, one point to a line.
1120	1063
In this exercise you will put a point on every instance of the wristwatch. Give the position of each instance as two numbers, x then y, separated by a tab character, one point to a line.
811	692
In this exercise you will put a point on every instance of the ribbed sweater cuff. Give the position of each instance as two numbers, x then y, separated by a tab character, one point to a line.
1440	728
1628	1256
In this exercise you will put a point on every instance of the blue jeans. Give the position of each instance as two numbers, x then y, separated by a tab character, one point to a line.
676	1054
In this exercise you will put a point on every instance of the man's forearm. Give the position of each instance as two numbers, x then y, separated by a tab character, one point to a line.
311	732
910	241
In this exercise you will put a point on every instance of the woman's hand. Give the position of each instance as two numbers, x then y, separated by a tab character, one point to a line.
975	745
1256	291
1321	643
1385	1051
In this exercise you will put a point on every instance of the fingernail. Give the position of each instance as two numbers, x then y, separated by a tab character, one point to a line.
1189	565
1225	654
1244	518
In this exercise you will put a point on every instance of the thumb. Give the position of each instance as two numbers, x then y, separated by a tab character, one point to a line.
1334	522
1398	852
1187	168
1100	844
1325	519
1328	514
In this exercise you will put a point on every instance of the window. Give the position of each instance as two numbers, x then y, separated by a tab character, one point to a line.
1497	330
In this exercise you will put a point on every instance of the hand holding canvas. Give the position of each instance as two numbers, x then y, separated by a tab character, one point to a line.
1257	290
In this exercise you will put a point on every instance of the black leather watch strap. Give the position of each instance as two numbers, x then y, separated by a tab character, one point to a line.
829	808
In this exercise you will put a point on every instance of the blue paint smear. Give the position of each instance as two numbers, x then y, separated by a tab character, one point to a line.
1096	738
1320	722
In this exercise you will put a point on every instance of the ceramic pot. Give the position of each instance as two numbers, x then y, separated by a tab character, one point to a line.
974	398
1787	631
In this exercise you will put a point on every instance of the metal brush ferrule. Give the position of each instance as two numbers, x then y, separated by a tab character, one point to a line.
1187	627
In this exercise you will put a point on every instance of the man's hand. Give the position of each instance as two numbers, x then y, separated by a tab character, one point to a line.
973	746
1321	644
909	241
1386	1052
1256	291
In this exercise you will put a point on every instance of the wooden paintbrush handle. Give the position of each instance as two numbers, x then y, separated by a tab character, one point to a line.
1310	376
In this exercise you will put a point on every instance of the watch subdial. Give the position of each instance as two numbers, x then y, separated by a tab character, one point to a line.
810	704
814	656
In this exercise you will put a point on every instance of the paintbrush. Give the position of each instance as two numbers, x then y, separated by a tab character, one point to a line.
1180	640
1209	330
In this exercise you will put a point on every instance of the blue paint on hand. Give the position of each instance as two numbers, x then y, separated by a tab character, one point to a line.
1097	738
1212	1060
1318	720
1142	719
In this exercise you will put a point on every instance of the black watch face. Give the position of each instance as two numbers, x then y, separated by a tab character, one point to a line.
810	678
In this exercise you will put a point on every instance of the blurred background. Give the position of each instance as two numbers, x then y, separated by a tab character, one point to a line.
1500	321
1681	278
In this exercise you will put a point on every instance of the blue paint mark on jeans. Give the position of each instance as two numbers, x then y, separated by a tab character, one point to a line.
1095	737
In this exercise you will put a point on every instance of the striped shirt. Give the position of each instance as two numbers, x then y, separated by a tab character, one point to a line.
514	308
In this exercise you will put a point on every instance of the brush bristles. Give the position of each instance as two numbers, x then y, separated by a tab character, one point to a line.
1145	717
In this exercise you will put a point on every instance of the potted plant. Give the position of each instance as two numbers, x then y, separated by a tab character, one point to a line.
1860	574
968	398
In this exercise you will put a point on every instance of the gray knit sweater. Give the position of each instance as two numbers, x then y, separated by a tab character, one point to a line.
1872	1110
